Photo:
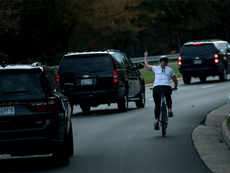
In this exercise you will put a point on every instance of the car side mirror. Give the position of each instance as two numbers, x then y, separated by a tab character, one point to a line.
139	66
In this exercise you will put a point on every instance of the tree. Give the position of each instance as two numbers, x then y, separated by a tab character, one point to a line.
9	15
176	21
105	21
10	23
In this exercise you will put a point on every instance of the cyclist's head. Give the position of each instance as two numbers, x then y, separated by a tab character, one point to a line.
164	58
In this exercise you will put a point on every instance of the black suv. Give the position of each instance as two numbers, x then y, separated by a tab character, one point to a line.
34	118
102	77
204	58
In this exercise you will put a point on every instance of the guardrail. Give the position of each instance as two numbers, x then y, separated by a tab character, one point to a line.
154	58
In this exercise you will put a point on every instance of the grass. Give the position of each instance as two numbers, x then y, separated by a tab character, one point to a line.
149	76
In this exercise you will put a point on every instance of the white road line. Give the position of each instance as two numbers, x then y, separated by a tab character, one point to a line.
208	86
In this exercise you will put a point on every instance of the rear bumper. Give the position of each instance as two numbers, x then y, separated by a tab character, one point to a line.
201	71
30	146
32	141
96	97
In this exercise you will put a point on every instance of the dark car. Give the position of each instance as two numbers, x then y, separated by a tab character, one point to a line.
103	77
204	58
34	118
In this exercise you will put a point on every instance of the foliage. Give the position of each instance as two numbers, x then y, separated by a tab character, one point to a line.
45	29
106	25
9	15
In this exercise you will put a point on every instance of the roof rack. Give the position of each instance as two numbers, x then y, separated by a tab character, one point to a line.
205	40
112	50
36	64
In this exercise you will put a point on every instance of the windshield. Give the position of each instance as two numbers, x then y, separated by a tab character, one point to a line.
203	50
86	63
20	85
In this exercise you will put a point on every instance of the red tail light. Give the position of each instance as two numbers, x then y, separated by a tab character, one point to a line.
51	105
216	58
179	62
58	79
197	44
115	77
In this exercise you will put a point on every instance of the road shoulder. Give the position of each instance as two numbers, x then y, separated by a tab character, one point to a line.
209	141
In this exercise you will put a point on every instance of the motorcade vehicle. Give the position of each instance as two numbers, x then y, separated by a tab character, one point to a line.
101	77
35	118
203	58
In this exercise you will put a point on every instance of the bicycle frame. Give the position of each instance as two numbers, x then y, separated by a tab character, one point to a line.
163	115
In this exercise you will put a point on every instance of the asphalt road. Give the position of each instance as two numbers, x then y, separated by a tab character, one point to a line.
107	141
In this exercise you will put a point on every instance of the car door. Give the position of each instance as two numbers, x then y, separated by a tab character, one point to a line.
133	76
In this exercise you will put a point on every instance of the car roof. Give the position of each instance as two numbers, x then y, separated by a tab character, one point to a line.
91	52
21	67
204	42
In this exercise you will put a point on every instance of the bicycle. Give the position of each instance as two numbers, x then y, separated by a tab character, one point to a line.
164	114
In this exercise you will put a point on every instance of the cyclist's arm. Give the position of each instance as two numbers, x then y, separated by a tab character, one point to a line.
146	62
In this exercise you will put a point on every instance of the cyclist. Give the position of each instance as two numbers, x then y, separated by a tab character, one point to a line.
162	84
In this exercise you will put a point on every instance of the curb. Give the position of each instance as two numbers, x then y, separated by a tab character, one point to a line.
212	140
226	132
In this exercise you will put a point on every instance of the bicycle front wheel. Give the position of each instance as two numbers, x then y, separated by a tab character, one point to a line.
163	129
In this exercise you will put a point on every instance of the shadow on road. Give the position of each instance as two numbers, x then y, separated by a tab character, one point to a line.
28	165
100	112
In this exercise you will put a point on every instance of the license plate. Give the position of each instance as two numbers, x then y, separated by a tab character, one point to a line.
197	61
86	82
7	110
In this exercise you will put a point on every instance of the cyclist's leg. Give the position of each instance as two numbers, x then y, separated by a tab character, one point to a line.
168	93
157	101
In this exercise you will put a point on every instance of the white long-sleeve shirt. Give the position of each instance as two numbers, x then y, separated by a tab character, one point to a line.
162	77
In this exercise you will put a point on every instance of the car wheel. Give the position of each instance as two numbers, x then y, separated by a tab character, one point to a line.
123	104
223	75
85	108
203	79
64	154
187	79
141	102
72	107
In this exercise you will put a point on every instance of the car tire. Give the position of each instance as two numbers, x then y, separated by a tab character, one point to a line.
186	79
141	102
63	154
123	104
223	75
203	79
85	108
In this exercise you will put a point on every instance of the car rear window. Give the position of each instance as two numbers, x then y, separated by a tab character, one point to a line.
86	63
20	85
198	50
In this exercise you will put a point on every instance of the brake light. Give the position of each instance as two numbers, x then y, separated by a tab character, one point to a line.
197	44
115	77
179	62
216	58
50	105
58	79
